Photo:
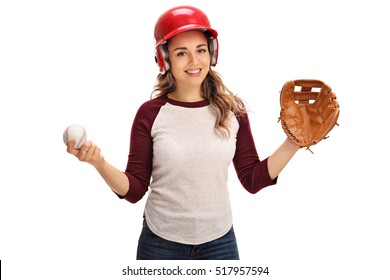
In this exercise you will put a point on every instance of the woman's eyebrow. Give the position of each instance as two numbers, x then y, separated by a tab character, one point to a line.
201	45
185	48
180	48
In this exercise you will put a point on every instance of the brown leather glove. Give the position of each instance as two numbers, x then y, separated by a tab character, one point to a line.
309	111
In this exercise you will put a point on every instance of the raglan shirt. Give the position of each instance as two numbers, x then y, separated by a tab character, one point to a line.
176	153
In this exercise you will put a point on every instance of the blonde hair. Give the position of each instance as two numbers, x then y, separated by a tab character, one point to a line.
221	99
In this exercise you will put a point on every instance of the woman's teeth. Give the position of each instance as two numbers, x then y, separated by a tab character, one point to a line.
193	71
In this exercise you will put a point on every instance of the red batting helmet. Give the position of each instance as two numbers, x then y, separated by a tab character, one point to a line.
178	20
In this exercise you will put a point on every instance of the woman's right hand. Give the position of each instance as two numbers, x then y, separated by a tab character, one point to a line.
88	152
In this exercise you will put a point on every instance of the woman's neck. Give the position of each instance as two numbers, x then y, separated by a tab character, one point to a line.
186	95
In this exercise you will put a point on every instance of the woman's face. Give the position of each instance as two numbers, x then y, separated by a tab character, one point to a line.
190	58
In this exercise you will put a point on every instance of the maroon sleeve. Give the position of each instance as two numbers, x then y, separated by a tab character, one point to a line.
252	172
139	164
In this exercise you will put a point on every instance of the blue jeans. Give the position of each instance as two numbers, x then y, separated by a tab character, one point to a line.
153	247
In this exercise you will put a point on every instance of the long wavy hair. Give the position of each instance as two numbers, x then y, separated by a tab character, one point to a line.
221	99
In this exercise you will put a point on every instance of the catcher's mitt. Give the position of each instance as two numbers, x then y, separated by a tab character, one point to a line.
309	111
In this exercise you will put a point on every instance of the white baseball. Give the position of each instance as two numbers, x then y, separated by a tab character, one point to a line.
77	132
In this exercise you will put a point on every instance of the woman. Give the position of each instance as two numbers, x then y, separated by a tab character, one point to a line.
185	138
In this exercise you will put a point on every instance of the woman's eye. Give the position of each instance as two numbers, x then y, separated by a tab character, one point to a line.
181	54
202	50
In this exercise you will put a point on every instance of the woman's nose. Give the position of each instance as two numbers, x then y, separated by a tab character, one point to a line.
192	59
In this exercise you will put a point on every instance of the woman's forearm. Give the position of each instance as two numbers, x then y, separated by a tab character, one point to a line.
279	159
114	178
91	154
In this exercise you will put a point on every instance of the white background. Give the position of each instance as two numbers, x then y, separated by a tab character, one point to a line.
92	63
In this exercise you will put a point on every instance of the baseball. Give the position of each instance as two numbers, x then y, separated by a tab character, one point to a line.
77	132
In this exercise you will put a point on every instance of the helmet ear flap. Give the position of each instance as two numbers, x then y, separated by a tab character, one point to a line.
162	58
213	48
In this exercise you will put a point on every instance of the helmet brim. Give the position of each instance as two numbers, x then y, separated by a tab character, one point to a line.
185	28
